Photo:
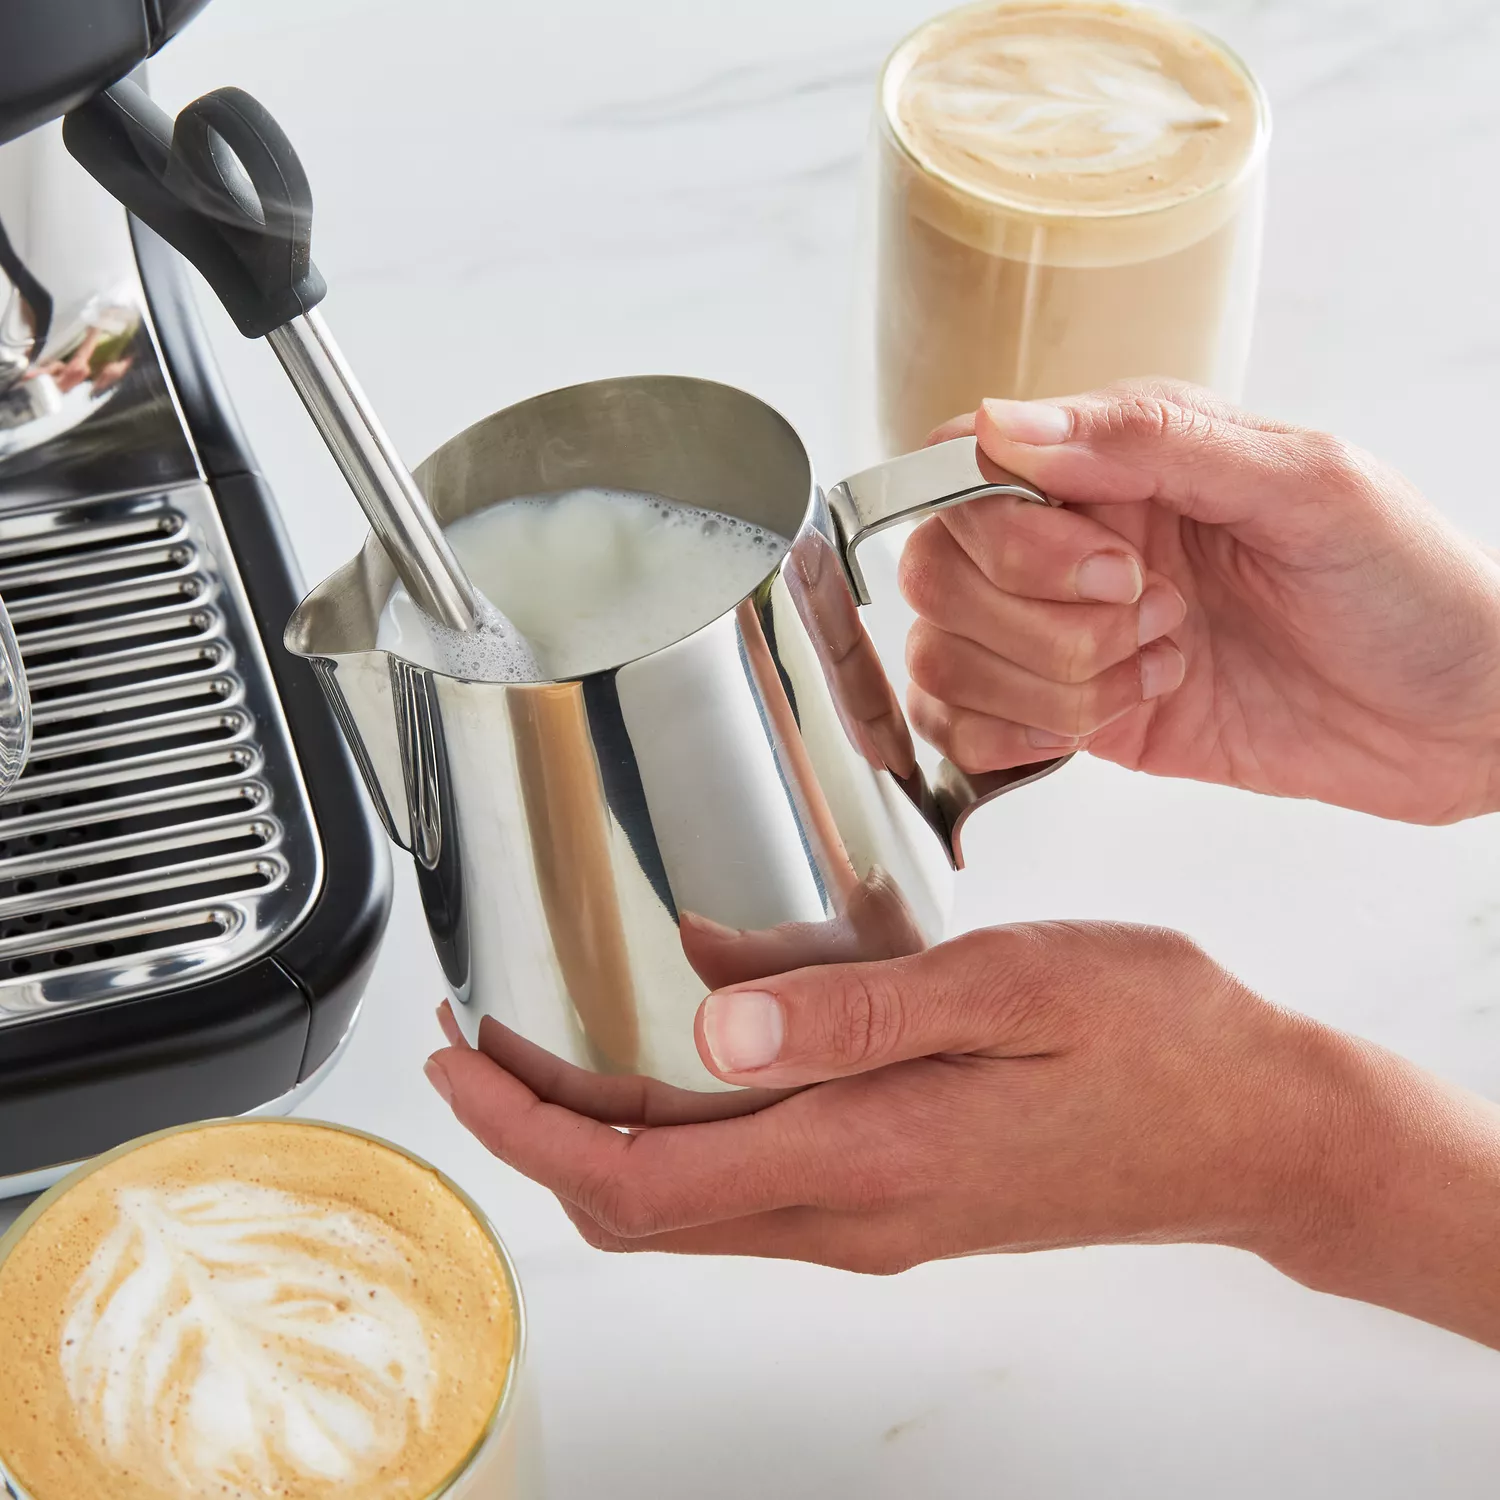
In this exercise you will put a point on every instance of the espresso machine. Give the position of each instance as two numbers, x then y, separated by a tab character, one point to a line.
192	885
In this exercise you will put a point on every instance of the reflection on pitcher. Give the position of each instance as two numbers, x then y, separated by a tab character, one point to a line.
98	354
875	923
867	917
861	691
567	820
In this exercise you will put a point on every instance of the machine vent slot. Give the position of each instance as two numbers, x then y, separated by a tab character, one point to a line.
148	840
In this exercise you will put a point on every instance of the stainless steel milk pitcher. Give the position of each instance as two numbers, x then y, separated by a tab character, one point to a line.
595	855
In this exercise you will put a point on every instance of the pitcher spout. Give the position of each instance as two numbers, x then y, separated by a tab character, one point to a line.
335	629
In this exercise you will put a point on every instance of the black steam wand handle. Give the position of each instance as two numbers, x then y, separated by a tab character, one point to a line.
223	186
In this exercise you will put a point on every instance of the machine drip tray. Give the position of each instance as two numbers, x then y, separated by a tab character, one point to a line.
161	833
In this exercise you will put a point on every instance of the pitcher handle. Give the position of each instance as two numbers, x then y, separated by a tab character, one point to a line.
903	489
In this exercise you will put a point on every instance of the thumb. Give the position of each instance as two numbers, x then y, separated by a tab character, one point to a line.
970	995
1173	444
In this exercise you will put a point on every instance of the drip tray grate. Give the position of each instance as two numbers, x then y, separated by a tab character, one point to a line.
160	832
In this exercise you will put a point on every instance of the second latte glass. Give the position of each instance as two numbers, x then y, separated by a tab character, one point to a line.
1065	194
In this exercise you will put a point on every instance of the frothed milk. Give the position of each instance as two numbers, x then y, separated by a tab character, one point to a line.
592	578
251	1310
1070	195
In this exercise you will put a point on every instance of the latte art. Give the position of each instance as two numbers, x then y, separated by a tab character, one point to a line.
236	1340
1070	105
254	1310
1059	104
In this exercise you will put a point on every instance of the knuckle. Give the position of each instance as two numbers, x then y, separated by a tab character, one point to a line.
929	662
1008	976
1153	415
924	713
1329	462
1089	706
635	1218
1076	654
1076	713
970	745
918	653
968	740
918	574
865	1021
1176	954
1169	972
991	950
620	1211
933	721
597	1237
876	1260
1167	388
593	1233
1169	946
1008	558
1188	984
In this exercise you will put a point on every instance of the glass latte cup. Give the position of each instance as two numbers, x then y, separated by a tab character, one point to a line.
246	1308
1059	194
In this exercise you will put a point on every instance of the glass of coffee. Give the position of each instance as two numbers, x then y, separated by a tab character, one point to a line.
1066	193
248	1308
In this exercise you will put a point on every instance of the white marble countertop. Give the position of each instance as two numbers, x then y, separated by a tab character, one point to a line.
514	196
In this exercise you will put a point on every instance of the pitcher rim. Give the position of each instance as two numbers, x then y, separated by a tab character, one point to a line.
297	620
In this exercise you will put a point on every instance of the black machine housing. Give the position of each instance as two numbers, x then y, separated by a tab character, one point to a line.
82	1080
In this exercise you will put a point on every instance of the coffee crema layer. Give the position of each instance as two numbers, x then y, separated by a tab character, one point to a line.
251	1310
1071	107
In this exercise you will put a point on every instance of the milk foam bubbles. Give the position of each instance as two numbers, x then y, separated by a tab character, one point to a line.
227	1335
494	652
592	578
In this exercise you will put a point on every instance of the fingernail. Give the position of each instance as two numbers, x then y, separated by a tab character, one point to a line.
437	1076
1109	578
1162	669
1035	422
744	1030
1039	739
1162	609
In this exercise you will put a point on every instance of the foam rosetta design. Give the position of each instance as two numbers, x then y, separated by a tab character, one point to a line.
234	1340
1057	104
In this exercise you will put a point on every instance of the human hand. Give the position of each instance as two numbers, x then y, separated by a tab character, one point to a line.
67	374
1311	626
71	372
111	374
1028	1088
